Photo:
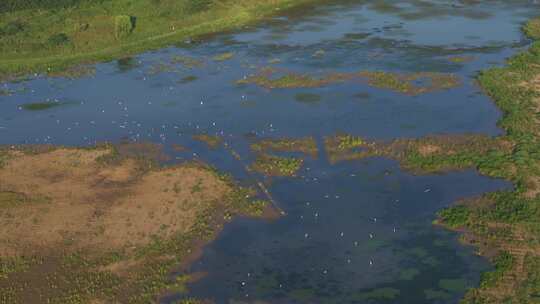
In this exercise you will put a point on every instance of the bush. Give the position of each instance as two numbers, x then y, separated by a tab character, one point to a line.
123	26
57	40
12	28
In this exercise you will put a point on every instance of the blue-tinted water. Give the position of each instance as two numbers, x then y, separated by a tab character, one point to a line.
355	232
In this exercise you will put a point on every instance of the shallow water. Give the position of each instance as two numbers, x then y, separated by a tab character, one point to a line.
355	232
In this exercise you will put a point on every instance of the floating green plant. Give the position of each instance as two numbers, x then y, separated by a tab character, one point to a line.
277	166
223	57
41	106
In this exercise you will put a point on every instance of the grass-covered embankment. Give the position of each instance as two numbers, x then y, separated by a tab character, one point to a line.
48	36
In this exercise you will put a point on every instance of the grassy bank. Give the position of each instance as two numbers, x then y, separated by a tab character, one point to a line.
48	36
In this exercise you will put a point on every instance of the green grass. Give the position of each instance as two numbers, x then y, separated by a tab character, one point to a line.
65	33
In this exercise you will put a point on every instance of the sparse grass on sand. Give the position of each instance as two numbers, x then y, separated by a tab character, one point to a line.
99	225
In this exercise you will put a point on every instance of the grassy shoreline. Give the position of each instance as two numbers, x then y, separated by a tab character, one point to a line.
504	226
76	40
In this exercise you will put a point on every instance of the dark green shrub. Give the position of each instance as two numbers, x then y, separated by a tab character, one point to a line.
123	26
12	28
57	40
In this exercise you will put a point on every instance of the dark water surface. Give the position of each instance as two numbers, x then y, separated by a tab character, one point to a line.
355	232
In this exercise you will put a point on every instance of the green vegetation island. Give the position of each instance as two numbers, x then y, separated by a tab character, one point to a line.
103	253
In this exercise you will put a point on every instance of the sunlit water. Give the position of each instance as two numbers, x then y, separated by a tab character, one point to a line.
355	232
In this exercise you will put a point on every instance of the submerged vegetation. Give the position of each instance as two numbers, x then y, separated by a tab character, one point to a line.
410	84
212	141
120	234
48	36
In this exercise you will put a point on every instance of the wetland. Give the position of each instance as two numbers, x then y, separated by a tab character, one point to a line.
341	152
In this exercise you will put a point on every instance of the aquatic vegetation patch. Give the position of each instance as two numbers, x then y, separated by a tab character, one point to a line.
428	154
213	141
223	57
407	83
266	78
188	79
41	106
453	285
308	98
410	83
161	67
408	274
384	293
186	61
271	165
11	91
461	59
121	232
306	145
356	36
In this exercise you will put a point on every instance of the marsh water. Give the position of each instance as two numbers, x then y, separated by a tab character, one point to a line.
354	231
